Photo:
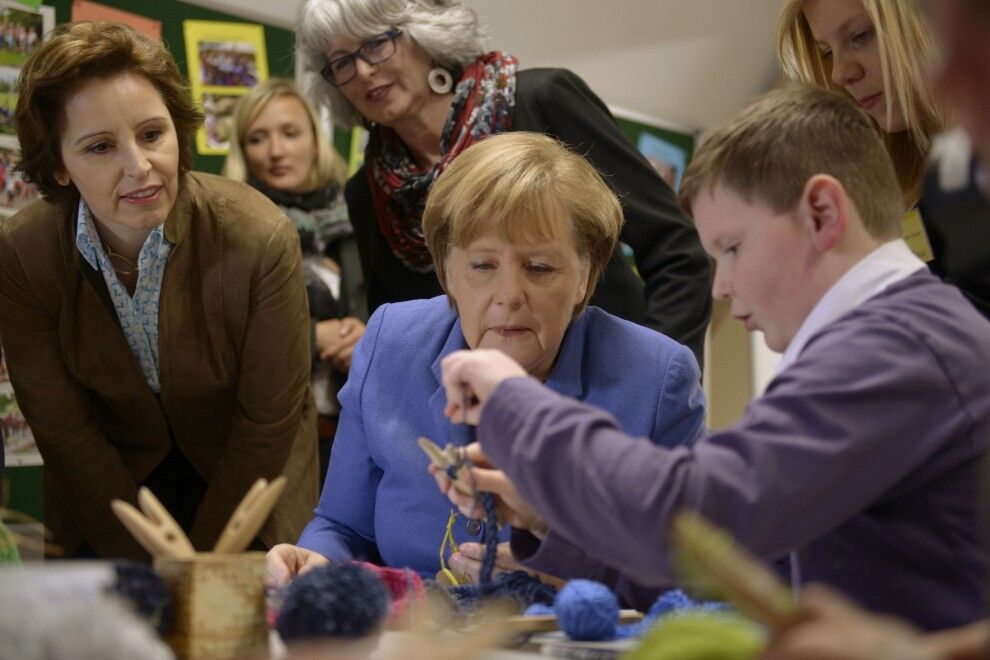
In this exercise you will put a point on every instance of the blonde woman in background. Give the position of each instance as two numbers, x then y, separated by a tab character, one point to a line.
876	51
281	149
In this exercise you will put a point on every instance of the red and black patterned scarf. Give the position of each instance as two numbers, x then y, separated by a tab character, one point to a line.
483	101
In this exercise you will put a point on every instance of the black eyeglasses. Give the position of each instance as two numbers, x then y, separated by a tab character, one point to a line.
341	70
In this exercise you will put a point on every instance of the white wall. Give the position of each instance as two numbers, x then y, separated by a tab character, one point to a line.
690	62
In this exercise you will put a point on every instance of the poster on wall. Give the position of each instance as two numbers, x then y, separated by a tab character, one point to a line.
22	28
665	146
84	10
667	158
225	61
18	443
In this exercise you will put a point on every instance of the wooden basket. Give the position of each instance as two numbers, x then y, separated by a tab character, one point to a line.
218	602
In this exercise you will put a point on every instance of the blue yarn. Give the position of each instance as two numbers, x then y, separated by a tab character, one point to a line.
519	586
489	538
587	611
490	531
338	600
675	599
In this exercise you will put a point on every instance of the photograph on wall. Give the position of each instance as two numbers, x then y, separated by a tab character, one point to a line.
227	64
15	192
218	120
667	158
225	60
8	98
18	442
21	30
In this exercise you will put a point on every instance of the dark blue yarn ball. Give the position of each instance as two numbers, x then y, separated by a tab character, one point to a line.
142	587
587	611
341	600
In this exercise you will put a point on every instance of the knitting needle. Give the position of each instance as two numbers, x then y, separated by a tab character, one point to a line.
250	515
444	459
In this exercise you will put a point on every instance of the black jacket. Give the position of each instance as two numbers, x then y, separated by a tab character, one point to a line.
673	296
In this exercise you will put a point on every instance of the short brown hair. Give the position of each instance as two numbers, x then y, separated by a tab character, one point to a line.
75	54
522	185
770	151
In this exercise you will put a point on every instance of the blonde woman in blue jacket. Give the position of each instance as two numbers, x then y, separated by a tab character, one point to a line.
520	229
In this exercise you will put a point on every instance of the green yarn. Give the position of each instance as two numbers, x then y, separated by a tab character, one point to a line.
8	547
715	636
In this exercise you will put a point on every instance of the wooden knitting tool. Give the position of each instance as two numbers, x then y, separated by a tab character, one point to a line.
548	622
155	529
711	555
250	515
444	459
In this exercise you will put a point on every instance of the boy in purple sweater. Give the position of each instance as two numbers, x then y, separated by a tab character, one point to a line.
862	459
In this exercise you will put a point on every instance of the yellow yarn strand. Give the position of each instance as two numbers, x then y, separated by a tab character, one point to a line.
448	539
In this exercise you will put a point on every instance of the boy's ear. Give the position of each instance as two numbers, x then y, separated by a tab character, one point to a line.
824	209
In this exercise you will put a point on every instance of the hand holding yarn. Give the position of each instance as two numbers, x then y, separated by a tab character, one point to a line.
480	372
467	561
509	505
285	561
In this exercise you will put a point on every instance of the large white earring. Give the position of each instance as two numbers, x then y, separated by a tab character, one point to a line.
440	80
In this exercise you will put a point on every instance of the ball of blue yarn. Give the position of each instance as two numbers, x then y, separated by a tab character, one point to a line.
342	600
587	610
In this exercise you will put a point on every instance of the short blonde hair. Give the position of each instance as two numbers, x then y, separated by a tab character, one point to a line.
768	153
904	44
522	185
328	167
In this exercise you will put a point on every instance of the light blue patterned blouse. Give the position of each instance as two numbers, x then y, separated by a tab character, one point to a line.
138	315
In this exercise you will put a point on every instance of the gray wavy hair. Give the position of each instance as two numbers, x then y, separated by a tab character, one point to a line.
448	31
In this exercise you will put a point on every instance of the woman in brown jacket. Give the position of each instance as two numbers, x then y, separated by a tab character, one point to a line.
154	319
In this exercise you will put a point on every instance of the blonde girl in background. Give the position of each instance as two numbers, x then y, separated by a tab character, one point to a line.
877	52
279	147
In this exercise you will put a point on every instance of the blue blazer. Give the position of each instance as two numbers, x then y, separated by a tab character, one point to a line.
380	503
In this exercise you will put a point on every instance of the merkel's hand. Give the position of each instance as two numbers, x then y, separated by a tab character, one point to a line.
510	506
473	376
467	561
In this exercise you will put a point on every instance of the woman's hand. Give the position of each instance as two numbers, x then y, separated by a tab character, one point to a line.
336	344
474	375
509	506
285	561
467	561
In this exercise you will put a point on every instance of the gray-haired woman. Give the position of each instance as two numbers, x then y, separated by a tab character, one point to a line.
416	73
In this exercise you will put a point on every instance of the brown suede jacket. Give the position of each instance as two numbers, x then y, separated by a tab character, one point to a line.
233	354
